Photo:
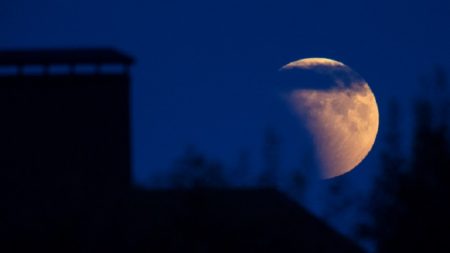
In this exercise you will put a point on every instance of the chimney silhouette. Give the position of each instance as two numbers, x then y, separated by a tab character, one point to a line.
64	140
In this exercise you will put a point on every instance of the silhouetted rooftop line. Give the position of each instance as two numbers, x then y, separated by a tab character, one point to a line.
228	220
63	56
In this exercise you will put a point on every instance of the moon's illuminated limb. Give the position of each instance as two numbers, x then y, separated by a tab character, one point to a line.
310	63
342	120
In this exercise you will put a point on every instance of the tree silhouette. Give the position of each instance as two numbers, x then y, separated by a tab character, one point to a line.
383	205
271	150
240	172
193	170
298	184
297	178
412	212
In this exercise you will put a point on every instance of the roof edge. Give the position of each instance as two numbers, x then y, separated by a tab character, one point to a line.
74	56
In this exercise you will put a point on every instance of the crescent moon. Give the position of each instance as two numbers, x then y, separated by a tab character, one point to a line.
343	120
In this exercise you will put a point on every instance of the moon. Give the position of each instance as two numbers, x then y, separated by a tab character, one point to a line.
342	119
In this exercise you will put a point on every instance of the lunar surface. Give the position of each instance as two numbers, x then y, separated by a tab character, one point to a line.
342	119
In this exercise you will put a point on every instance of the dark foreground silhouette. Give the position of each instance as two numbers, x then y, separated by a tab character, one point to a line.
65	173
239	220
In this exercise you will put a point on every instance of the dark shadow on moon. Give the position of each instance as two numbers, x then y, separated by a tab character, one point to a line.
297	143
291	79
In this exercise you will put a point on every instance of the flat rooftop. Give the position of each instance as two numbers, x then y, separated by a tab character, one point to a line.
81	61
95	56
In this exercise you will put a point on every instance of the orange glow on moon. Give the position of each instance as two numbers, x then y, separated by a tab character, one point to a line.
342	120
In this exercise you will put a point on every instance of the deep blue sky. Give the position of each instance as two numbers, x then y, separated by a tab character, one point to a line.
206	70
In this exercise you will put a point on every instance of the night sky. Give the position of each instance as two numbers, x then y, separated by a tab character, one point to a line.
206	71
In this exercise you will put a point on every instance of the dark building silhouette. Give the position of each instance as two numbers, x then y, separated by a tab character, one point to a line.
227	220
65	173
64	142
